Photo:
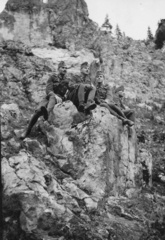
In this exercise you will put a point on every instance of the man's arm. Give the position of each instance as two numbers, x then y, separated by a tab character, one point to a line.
52	83
74	82
121	95
109	95
119	89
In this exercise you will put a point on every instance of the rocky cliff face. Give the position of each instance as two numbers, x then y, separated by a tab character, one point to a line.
67	173
60	23
61	174
90	181
63	182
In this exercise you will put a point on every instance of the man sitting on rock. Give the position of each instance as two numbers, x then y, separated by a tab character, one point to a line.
105	97
82	93
56	89
118	99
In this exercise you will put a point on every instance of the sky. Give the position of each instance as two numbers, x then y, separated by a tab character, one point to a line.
133	16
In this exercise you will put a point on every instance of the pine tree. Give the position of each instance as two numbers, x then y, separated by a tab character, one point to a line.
106	25
149	35
118	32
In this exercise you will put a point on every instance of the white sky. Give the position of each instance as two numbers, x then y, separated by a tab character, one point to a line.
2	4
132	16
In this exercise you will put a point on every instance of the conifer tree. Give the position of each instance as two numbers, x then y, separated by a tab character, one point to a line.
106	25
118	32
149	35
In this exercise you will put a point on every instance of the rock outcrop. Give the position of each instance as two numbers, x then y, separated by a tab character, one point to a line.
160	34
75	176
71	171
63	24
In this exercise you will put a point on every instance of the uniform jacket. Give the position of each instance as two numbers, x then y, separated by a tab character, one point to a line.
117	100
80	79
57	84
104	92
77	80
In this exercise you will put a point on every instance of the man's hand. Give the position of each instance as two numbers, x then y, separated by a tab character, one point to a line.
121	94
97	61
58	99
88	86
107	101
65	96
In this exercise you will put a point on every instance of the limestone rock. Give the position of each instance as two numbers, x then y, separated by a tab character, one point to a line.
38	24
26	176
82	168
9	113
99	154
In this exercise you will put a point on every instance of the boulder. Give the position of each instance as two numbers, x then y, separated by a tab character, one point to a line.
99	154
85	161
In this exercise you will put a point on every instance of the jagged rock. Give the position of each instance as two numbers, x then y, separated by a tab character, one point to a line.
34	147
160	34
46	207
97	161
9	111
57	23
56	54
9	114
99	153
14	144
26	176
146	161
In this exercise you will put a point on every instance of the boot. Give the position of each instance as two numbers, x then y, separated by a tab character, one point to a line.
44	113
128	122
90	105
81	107
50	117
31	124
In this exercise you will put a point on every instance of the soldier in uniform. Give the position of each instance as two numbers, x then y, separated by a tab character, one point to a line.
82	93
118	99
105	97
56	90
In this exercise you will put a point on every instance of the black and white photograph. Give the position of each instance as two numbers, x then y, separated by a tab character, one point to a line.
82	119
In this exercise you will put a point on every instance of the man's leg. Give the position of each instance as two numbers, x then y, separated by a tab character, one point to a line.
73	97
111	110
42	107
116	111
33	121
81	97
41	111
51	102
90	95
130	114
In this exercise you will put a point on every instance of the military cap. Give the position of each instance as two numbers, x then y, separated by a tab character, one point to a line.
61	64
84	64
